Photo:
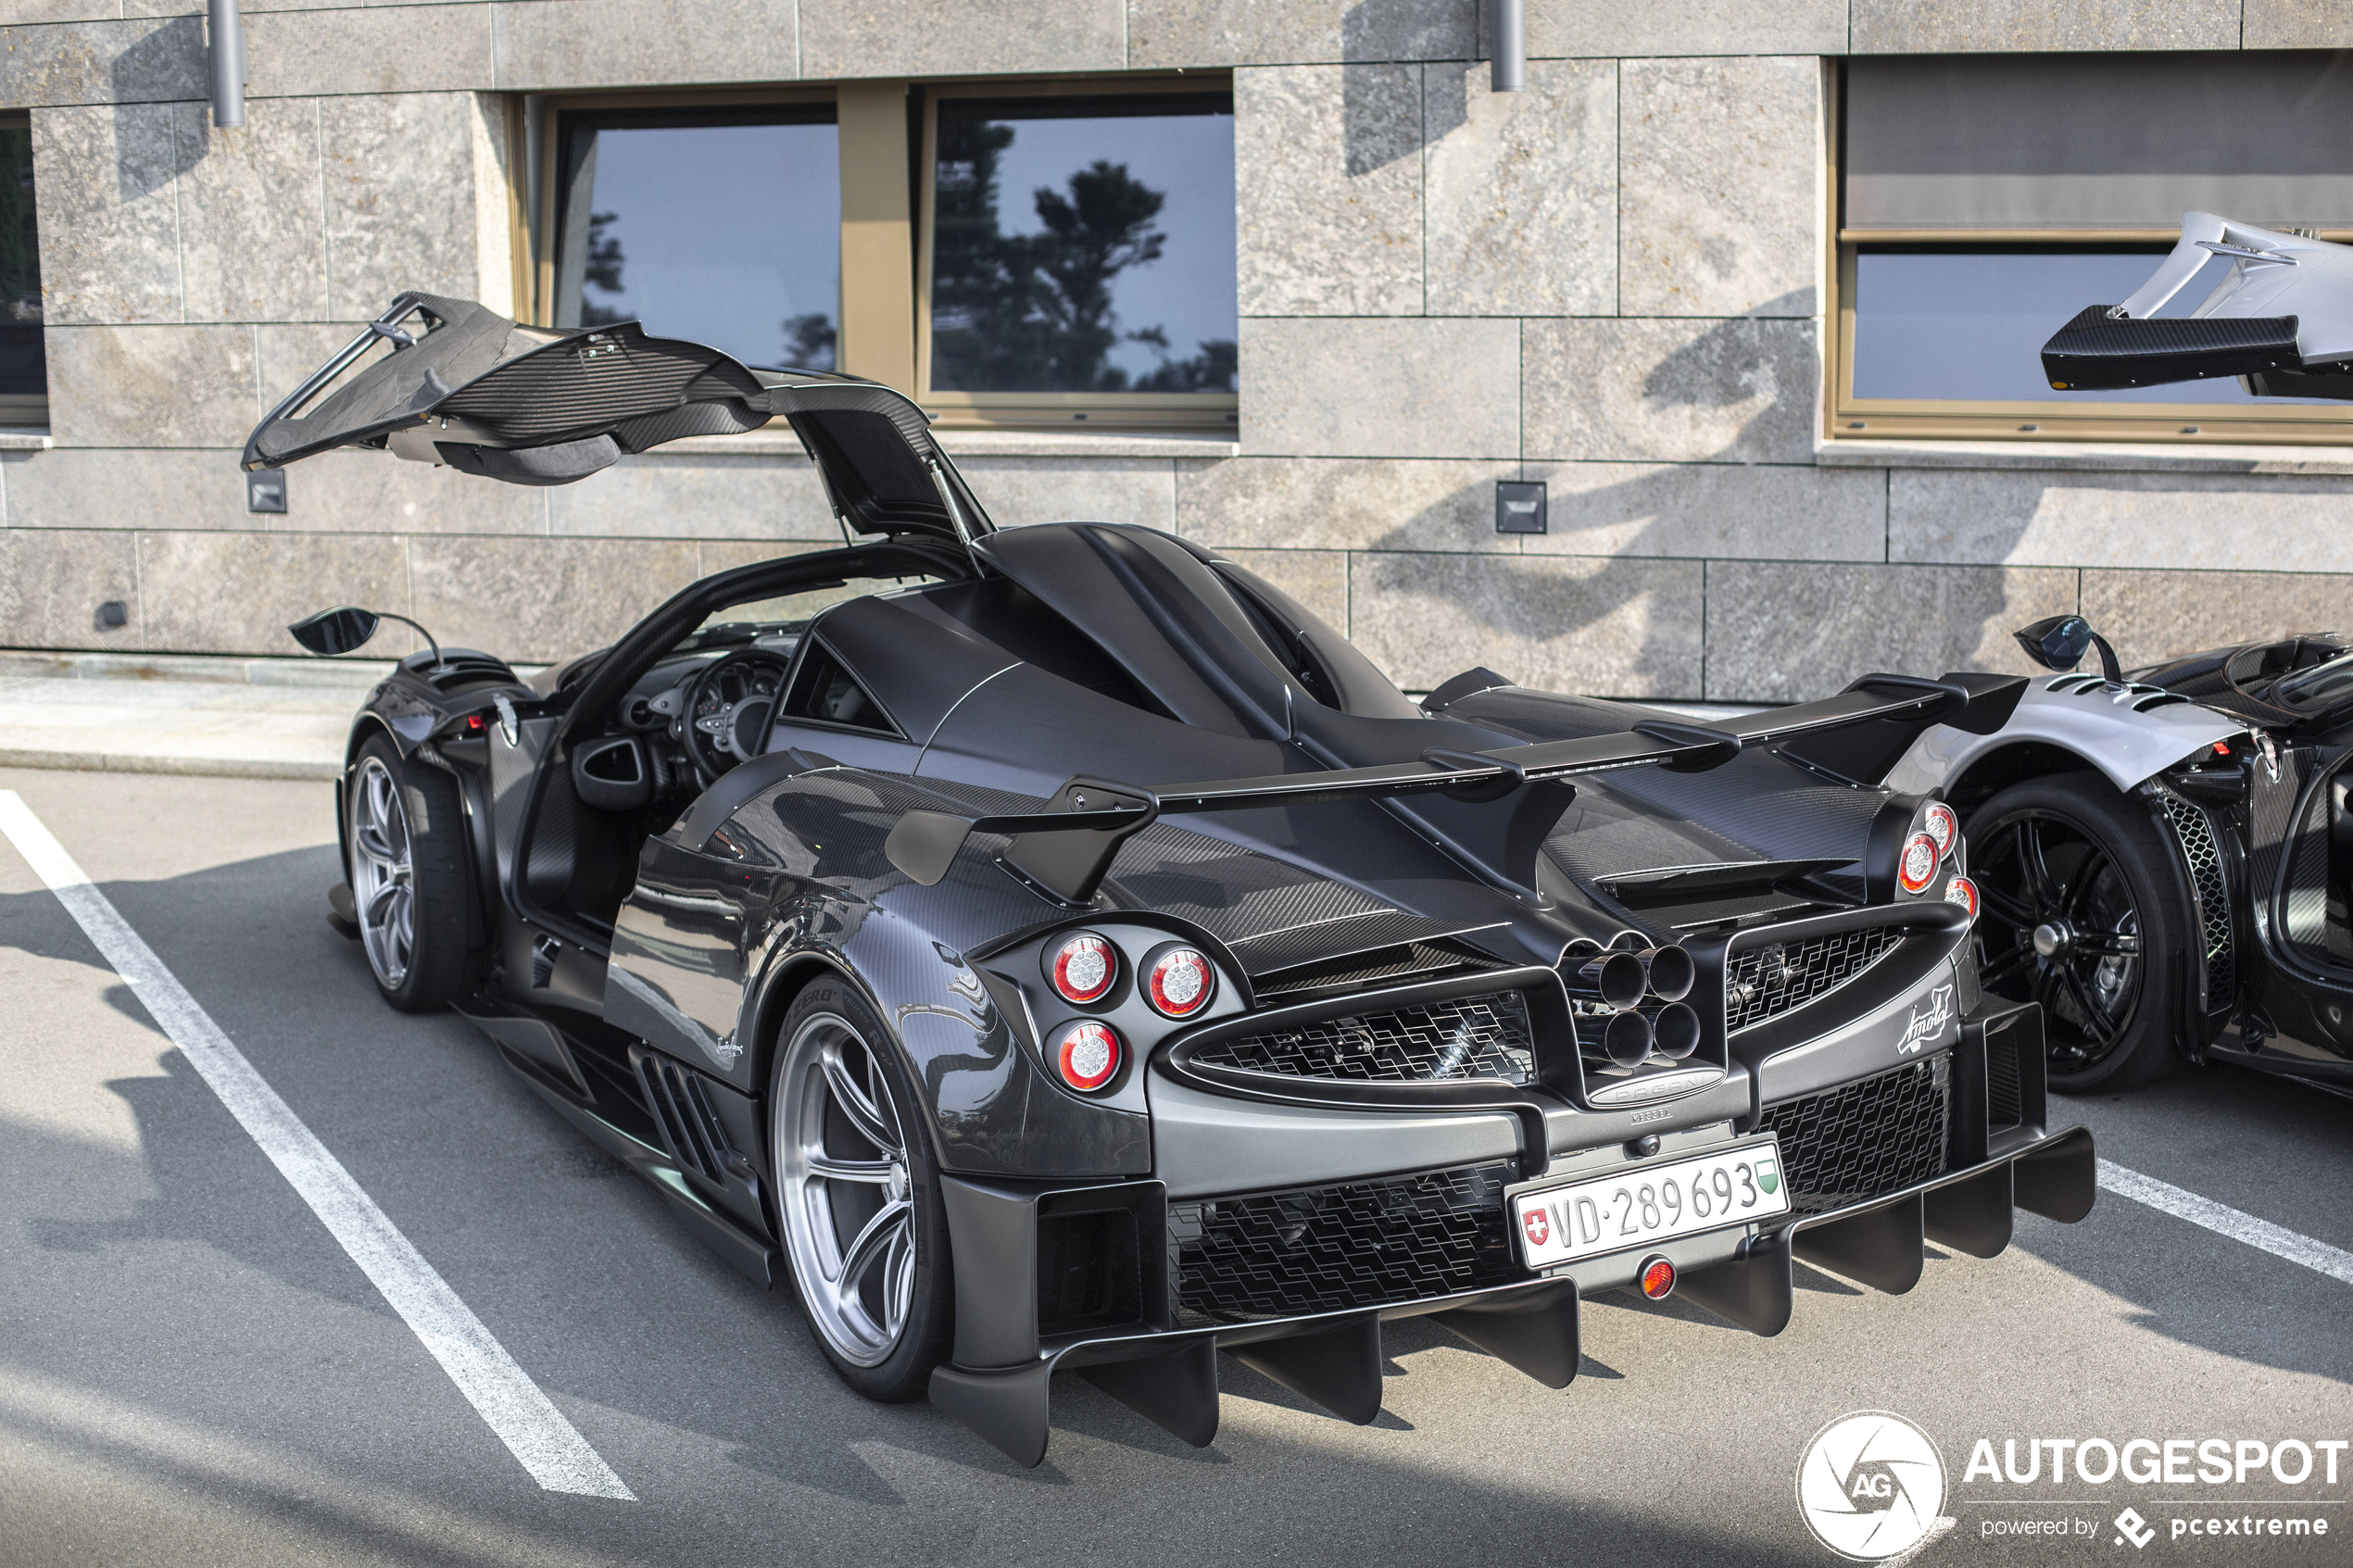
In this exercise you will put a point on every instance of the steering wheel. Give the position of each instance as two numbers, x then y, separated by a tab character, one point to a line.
728	707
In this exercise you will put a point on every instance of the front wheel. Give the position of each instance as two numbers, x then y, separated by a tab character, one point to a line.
408	870
857	1192
2077	913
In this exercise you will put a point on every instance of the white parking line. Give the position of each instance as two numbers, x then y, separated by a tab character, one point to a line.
2224	1220
523	1416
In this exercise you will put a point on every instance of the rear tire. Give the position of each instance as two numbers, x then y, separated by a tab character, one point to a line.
857	1195
2078	912
406	863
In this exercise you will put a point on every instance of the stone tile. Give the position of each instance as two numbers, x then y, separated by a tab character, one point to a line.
1329	220
1025	490
1917	27
2297	24
2214	521
1715	510
370	49
354	492
1521	191
286	352
52	581
558	44
252	221
963	37
676	495
1719	203
1790	631
1653	391
1615	628
150	386
544	599
154	487
1405	388
1341	504
1192	33
1611	28
236	592
1317	579
30	13
396	217
109	229
143	61
2154	615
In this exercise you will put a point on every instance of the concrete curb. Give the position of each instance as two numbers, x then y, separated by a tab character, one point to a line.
186	767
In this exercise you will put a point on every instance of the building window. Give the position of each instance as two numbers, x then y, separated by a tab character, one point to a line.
1078	257
24	377
1985	200
719	225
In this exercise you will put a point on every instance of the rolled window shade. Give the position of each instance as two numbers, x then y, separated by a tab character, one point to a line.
1960	142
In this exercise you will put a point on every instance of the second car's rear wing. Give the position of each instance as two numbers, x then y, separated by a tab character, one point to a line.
1066	847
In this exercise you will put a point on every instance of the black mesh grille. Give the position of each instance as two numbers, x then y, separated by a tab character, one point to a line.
1485	1036
1876	1135
2205	860
1765	982
1363	1243
2005	1101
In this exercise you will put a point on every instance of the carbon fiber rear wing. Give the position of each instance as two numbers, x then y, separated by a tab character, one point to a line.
1066	848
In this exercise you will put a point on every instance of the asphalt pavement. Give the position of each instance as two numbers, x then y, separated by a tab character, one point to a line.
193	1369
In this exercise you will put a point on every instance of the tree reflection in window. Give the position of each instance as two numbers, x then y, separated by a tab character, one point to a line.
1050	307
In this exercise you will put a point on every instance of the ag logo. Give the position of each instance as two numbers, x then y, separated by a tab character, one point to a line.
1870	1486
1537	1226
1928	1022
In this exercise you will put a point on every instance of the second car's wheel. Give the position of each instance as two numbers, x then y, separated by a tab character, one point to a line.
408	870
857	1192
2077	913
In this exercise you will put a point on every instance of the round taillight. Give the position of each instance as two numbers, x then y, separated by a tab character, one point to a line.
1083	967
1940	824
1916	867
1962	891
1658	1277
1178	980
1087	1055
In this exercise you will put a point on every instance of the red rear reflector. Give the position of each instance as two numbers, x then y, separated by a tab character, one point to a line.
1658	1278
1916	868
473	722
1087	1055
1083	967
2222	749
1179	981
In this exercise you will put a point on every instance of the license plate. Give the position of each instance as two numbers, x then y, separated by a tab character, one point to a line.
1646	1203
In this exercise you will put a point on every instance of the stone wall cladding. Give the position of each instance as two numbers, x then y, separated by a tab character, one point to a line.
1607	284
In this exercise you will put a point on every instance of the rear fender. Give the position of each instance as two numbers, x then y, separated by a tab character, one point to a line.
2112	729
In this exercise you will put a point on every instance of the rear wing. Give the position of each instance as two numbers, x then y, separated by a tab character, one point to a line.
1066	848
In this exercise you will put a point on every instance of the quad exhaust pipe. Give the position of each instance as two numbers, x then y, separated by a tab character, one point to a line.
1644	989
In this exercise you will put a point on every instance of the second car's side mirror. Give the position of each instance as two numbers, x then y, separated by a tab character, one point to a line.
2061	641
335	631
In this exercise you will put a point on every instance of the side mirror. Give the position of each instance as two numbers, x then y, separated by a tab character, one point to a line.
335	631
2061	643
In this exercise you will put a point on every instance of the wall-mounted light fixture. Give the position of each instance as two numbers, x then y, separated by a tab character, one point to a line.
226	35
1509	47
1519	507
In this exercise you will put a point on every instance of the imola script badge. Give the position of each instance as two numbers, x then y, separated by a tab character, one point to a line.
1928	1023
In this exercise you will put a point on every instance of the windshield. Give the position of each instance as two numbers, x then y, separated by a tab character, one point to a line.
2317	690
782	619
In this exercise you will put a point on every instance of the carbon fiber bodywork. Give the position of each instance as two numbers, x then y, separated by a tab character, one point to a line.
1398	904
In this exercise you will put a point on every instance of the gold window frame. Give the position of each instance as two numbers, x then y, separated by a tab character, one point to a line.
1849	418
1053	411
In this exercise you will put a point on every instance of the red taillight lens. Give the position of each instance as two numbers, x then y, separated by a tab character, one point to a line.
1940	824
473	723
1179	981
1083	967
1658	1278
1962	891
1917	866
1087	1055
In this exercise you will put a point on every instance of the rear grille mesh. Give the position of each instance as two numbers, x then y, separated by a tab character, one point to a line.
1483	1036
1362	1244
1765	982
1855	1142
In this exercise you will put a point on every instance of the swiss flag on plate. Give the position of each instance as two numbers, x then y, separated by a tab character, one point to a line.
1537	1226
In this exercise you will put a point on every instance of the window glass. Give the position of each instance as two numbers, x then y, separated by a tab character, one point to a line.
1969	325
22	370
788	614
1084	244
723	229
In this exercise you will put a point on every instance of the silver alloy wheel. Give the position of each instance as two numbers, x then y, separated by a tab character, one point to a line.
383	873
846	1190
